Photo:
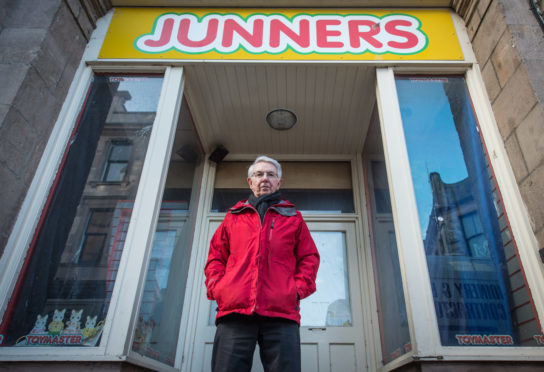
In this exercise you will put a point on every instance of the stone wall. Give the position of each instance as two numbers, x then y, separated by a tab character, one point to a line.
507	41
41	44
509	46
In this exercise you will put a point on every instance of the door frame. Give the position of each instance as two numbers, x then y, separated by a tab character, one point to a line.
195	282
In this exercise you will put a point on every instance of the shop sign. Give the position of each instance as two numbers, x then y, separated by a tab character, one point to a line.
250	34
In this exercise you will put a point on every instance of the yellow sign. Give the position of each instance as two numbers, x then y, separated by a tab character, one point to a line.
288	34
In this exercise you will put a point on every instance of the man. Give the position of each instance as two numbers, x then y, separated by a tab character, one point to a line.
262	262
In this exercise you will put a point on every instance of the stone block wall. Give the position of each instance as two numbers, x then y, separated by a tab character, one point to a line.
34	80
509	46
41	44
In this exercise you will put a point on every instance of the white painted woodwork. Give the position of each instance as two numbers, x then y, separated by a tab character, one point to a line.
229	103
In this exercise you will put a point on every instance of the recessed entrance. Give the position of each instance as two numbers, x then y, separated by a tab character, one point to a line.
322	174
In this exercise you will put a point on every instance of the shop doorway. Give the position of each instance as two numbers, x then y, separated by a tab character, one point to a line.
332	325
334	105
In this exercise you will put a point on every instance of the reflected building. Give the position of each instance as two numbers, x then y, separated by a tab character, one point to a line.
454	225
468	268
88	264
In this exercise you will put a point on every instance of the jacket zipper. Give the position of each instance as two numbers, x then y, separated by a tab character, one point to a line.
258	256
271	229
259	251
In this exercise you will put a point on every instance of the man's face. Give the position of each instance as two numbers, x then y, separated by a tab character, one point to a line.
264	179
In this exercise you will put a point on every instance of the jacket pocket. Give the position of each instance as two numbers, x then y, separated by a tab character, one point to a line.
217	292
283	298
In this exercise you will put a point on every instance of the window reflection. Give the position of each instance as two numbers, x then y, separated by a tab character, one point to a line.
391	306
95	237
157	327
116	166
330	189
478	284
330	304
63	296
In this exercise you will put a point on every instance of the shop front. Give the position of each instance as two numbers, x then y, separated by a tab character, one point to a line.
390	151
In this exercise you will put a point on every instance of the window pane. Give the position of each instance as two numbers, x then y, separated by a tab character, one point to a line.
157	329
479	289
391	306
115	172
120	153
392	316
307	200
63	296
330	304
311	186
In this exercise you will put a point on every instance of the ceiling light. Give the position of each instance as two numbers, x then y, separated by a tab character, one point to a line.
281	119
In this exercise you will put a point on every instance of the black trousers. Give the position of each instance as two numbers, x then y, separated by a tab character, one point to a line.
237	335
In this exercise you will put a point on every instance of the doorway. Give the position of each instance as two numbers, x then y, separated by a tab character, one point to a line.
322	176
333	323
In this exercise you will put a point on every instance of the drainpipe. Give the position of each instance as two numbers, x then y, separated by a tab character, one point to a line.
538	9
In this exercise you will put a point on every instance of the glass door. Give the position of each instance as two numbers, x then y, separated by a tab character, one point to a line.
331	318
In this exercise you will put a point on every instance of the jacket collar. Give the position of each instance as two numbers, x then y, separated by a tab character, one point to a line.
284	207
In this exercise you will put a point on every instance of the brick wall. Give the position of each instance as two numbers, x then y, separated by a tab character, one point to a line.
509	46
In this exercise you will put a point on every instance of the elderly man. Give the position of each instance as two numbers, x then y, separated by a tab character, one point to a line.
262	262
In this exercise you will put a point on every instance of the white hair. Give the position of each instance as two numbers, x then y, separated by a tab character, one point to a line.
265	159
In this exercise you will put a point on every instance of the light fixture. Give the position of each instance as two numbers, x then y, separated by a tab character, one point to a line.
218	154
281	119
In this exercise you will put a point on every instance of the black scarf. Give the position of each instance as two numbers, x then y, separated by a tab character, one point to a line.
262	202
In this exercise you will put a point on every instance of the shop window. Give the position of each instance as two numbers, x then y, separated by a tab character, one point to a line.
117	163
392	314
63	292
480	293
313	187
158	322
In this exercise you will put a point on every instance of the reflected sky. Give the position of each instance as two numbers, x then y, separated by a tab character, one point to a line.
431	138
144	92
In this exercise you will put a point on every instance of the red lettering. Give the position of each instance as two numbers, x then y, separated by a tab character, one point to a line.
302	38
166	33
231	26
322	34
391	28
355	34
183	34
485	339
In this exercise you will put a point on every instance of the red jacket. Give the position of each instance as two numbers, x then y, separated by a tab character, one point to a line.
261	269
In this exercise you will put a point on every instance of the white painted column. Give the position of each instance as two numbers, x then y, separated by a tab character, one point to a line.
417	287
